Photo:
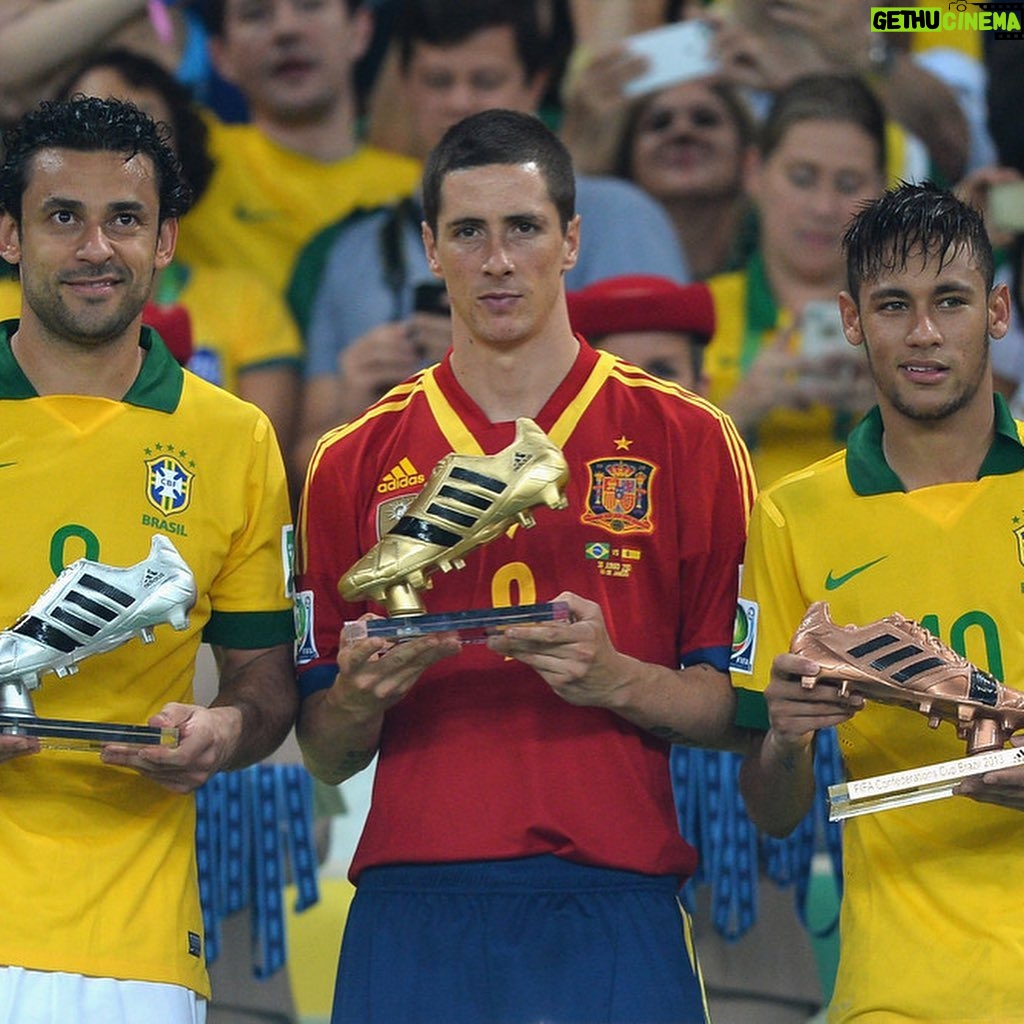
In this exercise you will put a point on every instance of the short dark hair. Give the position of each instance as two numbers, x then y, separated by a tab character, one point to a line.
909	221
90	125
141	72
213	12
500	137
824	97
450	22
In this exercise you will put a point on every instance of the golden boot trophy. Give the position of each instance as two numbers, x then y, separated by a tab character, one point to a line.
468	501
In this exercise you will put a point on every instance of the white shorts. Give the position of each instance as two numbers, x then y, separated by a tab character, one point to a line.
53	997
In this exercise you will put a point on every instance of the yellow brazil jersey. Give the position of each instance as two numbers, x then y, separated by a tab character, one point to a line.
10	298
99	863
238	322
265	202
747	318
920	881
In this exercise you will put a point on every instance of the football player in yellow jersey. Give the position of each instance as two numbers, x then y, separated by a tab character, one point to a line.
298	165
920	515
109	449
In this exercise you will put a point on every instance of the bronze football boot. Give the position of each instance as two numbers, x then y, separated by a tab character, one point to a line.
467	501
897	661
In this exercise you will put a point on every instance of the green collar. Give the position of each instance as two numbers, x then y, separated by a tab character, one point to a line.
158	385
869	473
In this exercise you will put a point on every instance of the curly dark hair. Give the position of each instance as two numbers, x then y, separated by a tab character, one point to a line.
90	125
189	132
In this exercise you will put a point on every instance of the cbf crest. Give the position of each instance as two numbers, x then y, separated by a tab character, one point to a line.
168	484
1018	533
619	495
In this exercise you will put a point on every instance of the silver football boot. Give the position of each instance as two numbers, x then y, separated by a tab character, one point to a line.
91	608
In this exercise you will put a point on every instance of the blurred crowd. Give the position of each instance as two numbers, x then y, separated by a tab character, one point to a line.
300	281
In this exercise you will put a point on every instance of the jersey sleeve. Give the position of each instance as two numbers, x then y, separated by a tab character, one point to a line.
326	545
251	601
714	509
770	594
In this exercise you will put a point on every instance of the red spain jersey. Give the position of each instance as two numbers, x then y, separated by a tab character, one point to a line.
481	760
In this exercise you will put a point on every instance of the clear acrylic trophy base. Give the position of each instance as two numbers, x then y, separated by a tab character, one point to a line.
470	627
18	718
915	785
67	734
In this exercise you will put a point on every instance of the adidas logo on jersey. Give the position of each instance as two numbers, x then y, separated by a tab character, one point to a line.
400	477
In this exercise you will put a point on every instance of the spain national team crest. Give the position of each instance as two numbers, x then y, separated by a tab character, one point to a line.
168	484
619	495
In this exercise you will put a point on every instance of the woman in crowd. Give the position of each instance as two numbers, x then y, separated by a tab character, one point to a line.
778	362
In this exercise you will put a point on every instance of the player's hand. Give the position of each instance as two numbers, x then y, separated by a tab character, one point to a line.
1004	787
374	674
796	711
206	740
12	747
575	658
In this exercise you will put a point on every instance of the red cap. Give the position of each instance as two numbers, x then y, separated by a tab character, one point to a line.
174	326
642	302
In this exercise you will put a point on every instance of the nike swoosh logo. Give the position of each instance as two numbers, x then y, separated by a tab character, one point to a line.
4	465
835	582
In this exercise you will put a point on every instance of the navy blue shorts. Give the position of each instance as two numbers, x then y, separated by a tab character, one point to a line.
517	942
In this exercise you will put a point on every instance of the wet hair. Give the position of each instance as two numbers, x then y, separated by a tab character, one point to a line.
189	130
90	125
910	221
824	97
214	12
451	22
500	137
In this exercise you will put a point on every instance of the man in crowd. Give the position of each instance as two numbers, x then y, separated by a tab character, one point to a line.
297	166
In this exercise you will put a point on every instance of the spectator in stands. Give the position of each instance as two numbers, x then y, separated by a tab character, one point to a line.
658	324
239	333
685	145
821	153
37	52
298	165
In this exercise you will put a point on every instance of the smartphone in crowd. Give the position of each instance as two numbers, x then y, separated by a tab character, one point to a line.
821	330
1006	206
675	53
431	297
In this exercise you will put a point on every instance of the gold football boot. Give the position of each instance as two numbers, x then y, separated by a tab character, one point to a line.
897	661
467	501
